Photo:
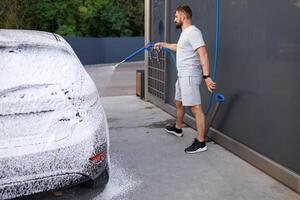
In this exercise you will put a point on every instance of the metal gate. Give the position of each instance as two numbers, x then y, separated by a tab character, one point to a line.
157	74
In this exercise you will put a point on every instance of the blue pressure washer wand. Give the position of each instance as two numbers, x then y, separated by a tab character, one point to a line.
147	47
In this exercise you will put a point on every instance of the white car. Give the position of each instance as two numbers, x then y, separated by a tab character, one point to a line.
53	129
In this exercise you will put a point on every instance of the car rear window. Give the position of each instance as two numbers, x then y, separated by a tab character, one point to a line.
25	64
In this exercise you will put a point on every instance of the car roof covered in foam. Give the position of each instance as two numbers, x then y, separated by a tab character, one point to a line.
15	37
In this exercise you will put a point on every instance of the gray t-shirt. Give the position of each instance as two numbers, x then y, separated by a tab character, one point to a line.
187	58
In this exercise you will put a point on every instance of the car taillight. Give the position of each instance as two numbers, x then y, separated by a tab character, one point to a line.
99	157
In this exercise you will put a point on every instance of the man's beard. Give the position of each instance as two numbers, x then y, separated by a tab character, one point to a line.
178	25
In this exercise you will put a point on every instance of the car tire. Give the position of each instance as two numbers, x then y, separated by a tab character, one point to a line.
99	182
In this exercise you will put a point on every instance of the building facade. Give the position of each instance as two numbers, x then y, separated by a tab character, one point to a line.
258	72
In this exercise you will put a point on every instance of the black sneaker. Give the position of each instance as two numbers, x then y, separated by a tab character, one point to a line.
196	147
175	131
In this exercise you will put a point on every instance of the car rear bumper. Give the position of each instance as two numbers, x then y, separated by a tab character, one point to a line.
36	185
47	182
49	170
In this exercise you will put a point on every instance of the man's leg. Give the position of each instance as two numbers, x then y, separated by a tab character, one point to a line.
199	144
200	121
179	114
175	129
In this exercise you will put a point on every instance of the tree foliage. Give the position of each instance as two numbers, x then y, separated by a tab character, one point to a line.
93	18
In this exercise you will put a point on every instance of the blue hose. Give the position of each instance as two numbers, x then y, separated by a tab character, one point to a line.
171	53
149	47
216	53
135	53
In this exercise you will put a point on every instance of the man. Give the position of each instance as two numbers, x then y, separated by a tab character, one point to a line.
192	66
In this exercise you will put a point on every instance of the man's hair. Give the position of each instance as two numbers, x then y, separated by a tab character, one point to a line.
186	10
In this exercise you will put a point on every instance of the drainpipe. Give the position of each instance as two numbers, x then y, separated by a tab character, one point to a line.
147	40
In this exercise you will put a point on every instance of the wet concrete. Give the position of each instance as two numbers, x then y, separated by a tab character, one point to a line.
162	169
149	164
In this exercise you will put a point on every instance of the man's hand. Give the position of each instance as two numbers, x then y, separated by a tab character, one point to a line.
158	46
210	84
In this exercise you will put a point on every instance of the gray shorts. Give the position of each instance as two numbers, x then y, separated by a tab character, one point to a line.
188	90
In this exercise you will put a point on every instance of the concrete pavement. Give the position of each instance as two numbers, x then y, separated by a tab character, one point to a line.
162	170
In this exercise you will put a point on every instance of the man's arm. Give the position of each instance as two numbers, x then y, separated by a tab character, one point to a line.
170	46
204	59
205	67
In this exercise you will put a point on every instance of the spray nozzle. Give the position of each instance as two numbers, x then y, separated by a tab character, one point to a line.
115	66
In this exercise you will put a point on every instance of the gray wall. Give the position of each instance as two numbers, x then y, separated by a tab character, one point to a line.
259	71
105	50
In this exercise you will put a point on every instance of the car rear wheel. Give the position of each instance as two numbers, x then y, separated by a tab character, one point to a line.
100	182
